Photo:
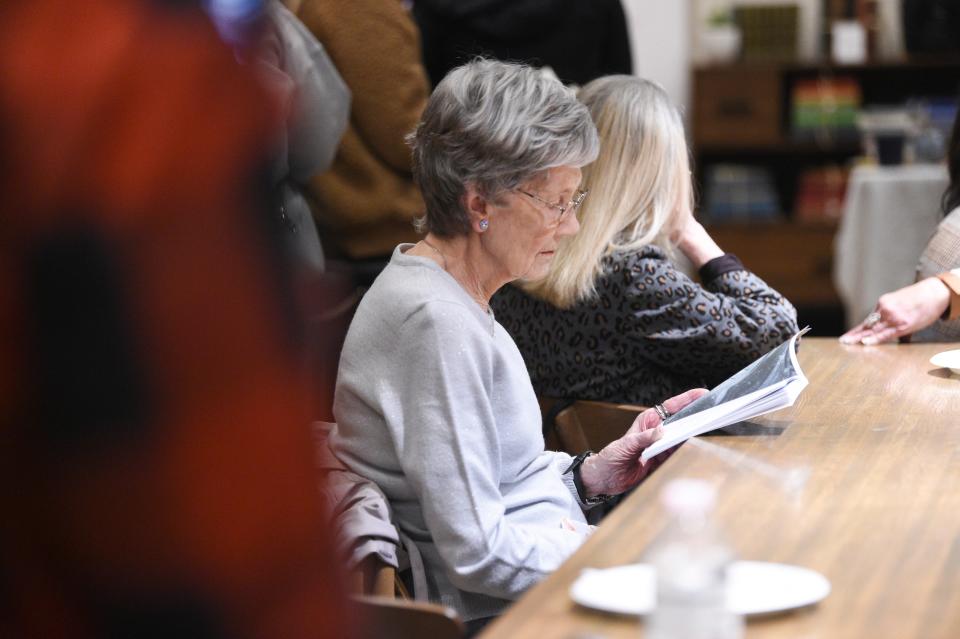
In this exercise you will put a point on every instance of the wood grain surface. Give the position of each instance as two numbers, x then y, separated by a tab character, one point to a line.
859	480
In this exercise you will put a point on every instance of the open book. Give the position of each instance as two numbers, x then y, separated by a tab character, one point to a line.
772	382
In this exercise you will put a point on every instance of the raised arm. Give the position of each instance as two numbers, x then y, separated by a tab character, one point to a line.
716	328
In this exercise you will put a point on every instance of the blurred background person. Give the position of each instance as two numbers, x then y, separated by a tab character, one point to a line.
928	310
158	478
614	319
317	105
366	203
578	40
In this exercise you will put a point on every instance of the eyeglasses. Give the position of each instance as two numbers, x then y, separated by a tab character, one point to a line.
572	205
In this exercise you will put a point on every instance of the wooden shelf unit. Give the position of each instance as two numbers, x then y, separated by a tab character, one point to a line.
741	115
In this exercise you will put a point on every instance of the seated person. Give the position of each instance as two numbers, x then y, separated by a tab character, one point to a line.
928	310
614	319
433	400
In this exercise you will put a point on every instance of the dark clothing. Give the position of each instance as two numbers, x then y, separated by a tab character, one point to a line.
650	332
579	39
476	626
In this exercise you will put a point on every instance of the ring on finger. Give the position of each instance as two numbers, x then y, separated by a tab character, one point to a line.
871	319
662	411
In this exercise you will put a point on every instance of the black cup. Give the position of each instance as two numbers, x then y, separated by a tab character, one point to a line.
890	148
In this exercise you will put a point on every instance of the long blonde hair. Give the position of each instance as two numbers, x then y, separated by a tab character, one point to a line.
637	185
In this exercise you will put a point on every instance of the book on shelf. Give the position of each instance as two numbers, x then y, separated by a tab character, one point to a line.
825	106
740	193
770	383
821	193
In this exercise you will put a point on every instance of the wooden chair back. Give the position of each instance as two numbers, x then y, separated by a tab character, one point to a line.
373	577
385	617
585	425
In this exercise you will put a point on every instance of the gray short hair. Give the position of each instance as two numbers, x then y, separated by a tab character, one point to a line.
495	125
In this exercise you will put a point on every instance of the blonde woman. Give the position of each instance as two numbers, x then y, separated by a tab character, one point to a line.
614	319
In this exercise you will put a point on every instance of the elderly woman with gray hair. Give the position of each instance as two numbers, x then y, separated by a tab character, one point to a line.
433	400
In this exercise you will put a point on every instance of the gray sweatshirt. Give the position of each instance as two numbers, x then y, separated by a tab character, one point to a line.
434	404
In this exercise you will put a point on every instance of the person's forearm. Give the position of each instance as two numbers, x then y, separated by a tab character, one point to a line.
902	312
697	245
590	479
939	296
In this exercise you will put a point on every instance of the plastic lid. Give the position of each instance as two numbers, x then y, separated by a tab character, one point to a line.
689	496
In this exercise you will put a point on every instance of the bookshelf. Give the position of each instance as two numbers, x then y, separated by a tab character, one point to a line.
790	125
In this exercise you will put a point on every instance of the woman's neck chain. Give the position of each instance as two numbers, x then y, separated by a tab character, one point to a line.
477	297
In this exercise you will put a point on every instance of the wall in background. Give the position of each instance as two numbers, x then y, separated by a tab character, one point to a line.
660	37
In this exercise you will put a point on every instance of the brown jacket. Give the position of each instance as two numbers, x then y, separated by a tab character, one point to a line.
365	204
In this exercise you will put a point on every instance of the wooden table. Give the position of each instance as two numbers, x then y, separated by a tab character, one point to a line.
859	480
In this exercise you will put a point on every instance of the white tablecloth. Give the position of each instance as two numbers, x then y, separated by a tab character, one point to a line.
889	216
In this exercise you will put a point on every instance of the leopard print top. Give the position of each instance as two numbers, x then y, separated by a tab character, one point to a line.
650	332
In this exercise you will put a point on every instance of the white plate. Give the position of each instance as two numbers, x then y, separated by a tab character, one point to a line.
754	588
947	359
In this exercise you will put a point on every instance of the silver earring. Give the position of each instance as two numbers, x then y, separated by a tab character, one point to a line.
484	224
